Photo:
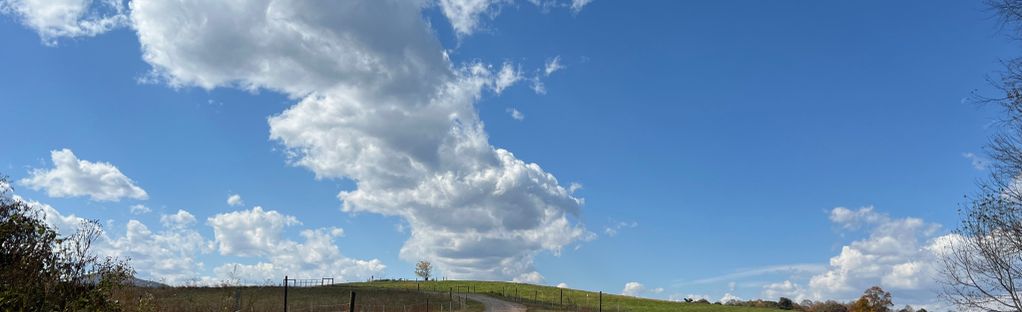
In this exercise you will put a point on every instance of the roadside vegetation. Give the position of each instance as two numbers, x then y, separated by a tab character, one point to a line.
40	270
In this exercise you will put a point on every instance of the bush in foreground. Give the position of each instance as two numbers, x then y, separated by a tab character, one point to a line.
43	271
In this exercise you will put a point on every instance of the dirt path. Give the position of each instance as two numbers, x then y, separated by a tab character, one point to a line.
496	305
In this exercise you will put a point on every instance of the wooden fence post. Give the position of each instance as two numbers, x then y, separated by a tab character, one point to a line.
351	304
601	301
285	293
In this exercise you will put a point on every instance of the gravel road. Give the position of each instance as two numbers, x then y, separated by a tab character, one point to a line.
496	305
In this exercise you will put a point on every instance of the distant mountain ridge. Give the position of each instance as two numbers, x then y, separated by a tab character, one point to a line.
134	281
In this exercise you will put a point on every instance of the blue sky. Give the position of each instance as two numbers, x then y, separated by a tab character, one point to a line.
690	148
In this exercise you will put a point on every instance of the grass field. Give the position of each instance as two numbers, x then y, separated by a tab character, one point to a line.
300	299
546	298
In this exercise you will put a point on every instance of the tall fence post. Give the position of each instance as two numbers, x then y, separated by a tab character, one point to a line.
351	304
562	296
601	301
285	293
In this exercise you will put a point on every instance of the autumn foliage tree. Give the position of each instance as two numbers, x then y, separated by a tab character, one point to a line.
424	269
875	299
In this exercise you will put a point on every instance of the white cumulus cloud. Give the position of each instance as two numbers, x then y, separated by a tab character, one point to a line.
235	200
727	297
139	209
633	289
71	177
53	19
256	233
786	289
898	254
181	219
169	255
316	256
382	105
252	232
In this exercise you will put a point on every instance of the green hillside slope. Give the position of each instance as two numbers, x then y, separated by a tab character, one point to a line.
547	298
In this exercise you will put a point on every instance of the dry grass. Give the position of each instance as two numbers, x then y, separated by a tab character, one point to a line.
300	299
547	298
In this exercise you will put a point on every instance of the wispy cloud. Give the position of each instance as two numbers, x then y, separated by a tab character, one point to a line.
517	115
613	229
812	268
553	65
978	162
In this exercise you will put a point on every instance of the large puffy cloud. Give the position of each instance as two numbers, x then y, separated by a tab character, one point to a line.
71	176
787	289
169	255
380	104
249	232
53	19
383	106
259	233
298	47
898	254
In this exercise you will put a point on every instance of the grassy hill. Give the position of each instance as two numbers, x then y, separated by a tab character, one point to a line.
271	299
547	298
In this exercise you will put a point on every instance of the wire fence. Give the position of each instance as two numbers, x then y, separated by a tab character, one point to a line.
398	304
421	307
299	295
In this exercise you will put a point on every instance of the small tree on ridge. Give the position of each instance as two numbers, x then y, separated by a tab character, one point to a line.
424	269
